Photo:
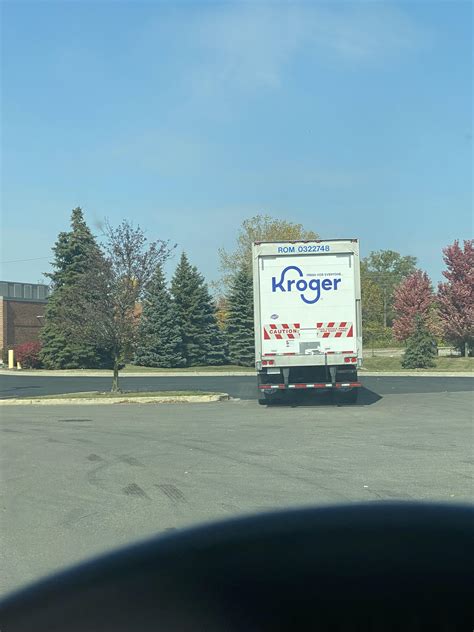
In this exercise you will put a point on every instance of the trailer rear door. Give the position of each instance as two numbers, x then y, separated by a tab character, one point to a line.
308	303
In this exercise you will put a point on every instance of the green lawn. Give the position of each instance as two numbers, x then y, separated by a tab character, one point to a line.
122	395
442	364
376	363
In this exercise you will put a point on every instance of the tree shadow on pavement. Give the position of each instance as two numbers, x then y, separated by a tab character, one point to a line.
12	392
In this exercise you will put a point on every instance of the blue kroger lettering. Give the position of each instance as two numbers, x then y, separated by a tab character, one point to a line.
302	285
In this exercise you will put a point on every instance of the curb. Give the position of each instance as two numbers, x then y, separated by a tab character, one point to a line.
173	399
363	373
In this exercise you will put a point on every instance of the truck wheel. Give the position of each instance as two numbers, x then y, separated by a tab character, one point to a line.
269	399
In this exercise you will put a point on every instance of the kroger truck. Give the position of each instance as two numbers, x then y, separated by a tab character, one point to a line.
307	317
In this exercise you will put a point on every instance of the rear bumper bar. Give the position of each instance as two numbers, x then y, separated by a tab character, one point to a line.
270	387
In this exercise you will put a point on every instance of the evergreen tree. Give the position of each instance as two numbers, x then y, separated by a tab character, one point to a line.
104	309
216	350
239	323
421	347
73	253
159	338
203	342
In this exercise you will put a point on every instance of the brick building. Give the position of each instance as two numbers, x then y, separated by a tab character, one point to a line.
22	307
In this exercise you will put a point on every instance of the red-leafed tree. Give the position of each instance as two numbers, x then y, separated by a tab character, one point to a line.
456	296
412	298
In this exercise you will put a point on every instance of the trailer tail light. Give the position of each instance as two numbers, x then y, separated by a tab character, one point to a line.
347	360
267	362
353	359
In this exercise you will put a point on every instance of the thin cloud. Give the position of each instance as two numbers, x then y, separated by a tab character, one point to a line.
248	45
367	32
223	52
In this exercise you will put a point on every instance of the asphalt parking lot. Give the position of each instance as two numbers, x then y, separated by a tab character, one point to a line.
77	480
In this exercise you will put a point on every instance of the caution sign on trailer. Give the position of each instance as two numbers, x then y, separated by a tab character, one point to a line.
335	330
284	331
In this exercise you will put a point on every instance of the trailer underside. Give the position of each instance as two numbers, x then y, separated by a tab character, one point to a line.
274	384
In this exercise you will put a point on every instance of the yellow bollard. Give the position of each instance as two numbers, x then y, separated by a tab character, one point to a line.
11	359
18	365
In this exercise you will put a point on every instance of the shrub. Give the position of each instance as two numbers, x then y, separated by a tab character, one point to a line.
28	355
421	348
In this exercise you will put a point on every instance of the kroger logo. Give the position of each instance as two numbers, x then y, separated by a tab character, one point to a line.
310	291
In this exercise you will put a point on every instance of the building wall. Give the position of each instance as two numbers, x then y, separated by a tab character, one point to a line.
3	323
20	322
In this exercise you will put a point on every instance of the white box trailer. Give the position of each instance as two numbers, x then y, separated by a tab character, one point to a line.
307	310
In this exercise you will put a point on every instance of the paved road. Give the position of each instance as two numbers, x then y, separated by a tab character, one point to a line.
79	480
243	387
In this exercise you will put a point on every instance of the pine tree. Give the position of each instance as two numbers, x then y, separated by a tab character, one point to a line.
160	342
195	314
239	323
103	309
421	347
73	253
216	351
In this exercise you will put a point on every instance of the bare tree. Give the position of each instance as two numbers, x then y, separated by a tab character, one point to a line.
105	308
258	228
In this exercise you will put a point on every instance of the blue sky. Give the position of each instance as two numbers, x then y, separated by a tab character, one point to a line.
354	119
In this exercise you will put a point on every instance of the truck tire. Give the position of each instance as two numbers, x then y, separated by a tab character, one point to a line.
351	395
270	399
